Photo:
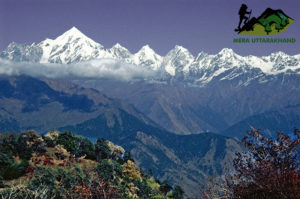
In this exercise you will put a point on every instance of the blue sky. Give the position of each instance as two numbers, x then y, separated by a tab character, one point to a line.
198	25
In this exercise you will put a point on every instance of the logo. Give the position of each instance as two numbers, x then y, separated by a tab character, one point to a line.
270	22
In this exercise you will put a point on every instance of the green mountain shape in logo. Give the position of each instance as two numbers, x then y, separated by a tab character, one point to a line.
271	22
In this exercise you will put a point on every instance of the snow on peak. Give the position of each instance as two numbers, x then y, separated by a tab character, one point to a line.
119	52
117	45
201	55
146	49
71	46
74	35
226	52
73	31
146	56
177	60
74	46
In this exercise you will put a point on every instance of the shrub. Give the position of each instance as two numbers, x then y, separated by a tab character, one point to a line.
109	169
144	190
86	147
68	141
5	161
132	170
15	170
8	144
102	150
28	143
271	168
44	178
76	145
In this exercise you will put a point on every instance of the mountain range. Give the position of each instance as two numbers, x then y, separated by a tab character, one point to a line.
73	46
164	115
183	93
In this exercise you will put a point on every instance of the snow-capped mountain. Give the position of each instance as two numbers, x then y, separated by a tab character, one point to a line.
177	61
119	52
73	46
22	52
147	57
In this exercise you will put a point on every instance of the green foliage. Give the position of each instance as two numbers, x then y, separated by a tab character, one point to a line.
49	142
109	169
44	177
9	169
28	143
112	178
79	146
102	150
144	190
8	144
15	170
86	147
5	161
68	141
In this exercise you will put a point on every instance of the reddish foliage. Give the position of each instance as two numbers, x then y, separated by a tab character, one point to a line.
61	164
48	161
270	169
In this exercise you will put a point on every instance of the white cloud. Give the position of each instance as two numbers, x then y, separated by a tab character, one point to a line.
103	68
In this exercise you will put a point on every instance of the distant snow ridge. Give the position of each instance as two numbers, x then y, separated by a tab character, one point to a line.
73	46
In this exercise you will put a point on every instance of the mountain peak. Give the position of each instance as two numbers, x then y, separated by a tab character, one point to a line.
226	51
180	48
119	51
146	49
71	46
73	32
117	45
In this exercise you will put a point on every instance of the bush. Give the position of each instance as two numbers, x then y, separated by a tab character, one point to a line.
15	170
28	143
8	144
44	177
109	169
131	170
271	168
76	145
86	147
5	161
102	150
144	190
68	141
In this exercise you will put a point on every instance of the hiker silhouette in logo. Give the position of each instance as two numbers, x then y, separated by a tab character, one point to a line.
243	11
